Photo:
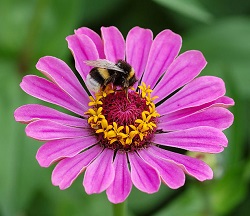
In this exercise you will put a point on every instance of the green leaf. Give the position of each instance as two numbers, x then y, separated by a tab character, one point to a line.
226	47
191	8
191	202
16	17
95	9
226	193
32	29
247	170
144	204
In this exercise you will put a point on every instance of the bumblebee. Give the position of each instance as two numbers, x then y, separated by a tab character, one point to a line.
105	72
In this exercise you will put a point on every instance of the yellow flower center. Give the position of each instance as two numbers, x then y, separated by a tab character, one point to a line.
121	123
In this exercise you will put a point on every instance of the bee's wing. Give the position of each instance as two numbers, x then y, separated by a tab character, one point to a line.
103	63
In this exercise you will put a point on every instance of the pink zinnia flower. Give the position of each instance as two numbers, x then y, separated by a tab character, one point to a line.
121	142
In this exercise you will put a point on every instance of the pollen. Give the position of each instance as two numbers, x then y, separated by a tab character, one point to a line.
123	123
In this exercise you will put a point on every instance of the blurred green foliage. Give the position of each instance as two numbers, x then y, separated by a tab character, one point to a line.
34	28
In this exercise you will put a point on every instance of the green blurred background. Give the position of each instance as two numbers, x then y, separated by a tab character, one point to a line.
30	29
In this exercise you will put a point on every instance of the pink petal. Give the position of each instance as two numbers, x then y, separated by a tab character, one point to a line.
55	150
68	169
47	91
164	49
100	174
223	101
32	112
119	190
94	37
49	130
171	174
191	166
199	91
82	48
201	139
217	117
184	69
138	43
143	176
60	73
114	43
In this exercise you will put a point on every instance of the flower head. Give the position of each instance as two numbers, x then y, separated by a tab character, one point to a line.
117	138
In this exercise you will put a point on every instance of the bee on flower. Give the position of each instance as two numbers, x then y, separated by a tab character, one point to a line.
144	96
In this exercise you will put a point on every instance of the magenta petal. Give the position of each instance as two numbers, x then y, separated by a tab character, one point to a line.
47	91
217	117
138	43
201	139
114	43
143	176
199	91
164	49
60	73
68	169
82	48
184	69
100	174
55	150
49	130
223	101
32	112
119	190
94	37
192	166
171	174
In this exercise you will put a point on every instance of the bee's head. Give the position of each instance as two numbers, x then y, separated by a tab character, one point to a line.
124	65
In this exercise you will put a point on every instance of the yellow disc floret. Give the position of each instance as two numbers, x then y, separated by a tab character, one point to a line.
145	90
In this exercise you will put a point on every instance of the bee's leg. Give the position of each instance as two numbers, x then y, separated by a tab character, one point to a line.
126	87
104	87
126	92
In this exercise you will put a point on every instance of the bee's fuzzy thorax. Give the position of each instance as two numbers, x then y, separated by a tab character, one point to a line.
124	65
